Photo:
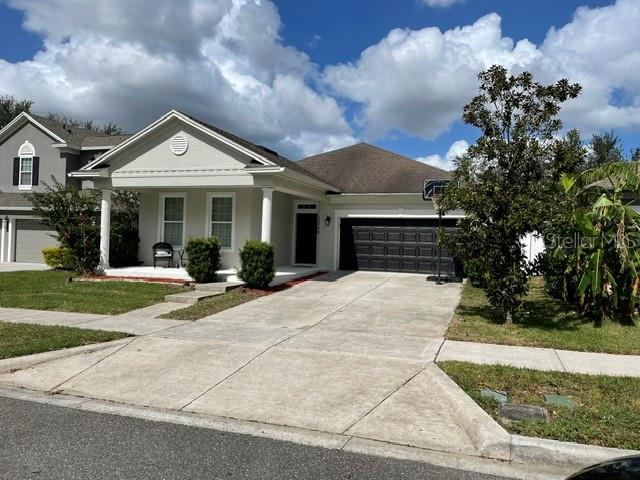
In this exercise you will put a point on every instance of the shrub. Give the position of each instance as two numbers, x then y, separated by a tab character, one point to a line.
257	264
75	216
123	248
58	258
204	258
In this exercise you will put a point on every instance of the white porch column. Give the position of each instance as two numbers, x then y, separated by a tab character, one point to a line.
2	239
10	236
267	200
105	229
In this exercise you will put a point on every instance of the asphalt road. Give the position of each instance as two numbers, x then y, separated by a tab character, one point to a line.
40	441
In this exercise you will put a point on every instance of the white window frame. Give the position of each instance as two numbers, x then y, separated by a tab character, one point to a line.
25	152
210	197
294	222
162	198
22	186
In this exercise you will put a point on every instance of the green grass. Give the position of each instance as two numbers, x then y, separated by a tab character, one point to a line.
544	322
216	304
606	413
49	290
17	339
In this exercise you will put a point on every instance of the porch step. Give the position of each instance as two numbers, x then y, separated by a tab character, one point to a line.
191	297
220	287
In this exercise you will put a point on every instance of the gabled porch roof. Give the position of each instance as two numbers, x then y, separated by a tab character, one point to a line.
261	160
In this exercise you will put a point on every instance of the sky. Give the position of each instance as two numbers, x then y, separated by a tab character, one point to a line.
306	77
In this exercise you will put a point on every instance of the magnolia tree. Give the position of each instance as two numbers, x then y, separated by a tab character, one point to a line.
499	182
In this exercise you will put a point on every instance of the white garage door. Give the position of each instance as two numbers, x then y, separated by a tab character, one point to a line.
31	238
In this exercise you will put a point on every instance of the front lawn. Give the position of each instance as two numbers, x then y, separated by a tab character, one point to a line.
606	411
50	290
544	322
17	339
216	304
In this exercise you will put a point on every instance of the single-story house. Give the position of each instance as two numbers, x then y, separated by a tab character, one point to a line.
358	207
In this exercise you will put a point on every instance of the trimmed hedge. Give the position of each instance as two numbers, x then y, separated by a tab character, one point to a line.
204	259
58	258
257	264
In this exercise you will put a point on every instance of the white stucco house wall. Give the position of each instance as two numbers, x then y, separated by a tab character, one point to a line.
360	207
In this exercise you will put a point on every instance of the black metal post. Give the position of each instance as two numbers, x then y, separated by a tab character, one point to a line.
439	282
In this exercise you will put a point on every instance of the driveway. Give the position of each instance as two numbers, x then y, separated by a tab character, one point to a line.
342	353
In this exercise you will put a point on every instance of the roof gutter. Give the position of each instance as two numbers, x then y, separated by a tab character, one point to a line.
97	173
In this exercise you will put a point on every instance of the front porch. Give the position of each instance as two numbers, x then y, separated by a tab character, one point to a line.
163	274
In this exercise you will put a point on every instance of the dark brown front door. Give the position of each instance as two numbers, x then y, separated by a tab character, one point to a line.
306	238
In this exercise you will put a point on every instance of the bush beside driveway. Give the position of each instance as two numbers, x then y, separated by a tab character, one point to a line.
545	322
51	290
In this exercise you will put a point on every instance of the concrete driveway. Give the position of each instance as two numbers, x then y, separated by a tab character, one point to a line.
342	353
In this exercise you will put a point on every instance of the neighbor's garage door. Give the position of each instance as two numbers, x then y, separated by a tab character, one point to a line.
399	245
31	238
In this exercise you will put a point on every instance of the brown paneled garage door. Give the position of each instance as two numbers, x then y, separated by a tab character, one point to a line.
398	245
31	238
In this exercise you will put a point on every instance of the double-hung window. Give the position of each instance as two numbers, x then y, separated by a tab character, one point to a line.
173	220
221	219
26	173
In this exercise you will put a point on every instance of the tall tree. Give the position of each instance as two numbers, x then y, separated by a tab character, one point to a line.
604	148
498	182
108	128
10	108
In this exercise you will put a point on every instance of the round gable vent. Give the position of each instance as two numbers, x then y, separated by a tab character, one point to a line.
179	144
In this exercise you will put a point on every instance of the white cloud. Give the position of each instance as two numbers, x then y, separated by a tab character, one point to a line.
440	3
130	61
457	149
224	61
418	81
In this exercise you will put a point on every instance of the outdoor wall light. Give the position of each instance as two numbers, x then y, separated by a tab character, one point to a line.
327	221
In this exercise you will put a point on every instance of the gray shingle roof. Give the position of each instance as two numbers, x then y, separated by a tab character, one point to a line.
79	137
10	200
365	168
269	154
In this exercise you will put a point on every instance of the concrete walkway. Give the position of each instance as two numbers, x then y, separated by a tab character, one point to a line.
341	354
22	267
137	322
547	359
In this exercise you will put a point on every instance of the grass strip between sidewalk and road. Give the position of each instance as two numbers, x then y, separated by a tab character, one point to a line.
50	290
606	411
543	322
18	339
216	304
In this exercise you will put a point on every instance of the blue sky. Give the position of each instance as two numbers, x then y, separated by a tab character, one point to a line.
292	74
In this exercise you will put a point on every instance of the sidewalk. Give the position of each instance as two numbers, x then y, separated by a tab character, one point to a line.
547	359
137	322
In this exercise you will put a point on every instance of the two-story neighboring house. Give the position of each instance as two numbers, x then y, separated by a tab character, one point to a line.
32	150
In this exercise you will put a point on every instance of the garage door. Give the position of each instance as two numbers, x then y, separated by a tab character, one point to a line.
31	238
399	245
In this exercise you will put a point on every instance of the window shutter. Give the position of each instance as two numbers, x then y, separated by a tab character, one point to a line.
16	171
35	177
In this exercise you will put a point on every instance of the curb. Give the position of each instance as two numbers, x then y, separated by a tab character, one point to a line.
332	441
27	361
488	436
562	454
